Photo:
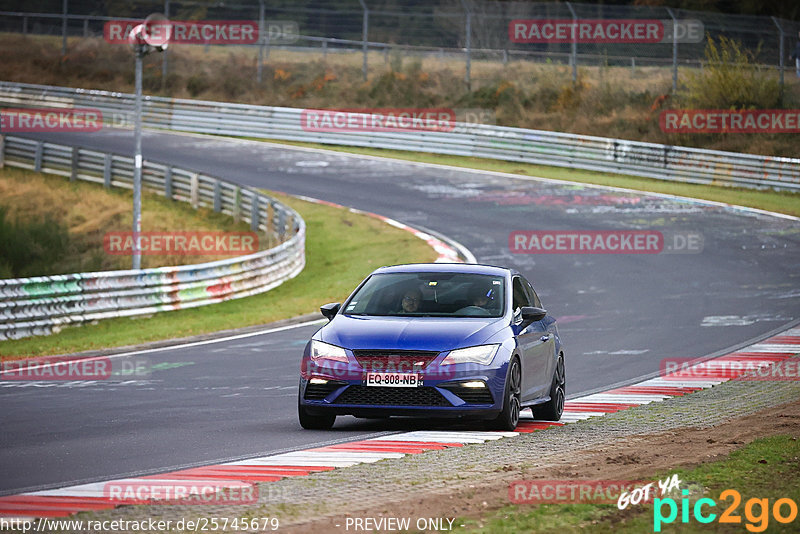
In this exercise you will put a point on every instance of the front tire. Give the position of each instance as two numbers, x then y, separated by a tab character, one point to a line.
552	409
509	417
314	422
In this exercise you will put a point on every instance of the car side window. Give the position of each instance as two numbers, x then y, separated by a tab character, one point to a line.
520	297
533	297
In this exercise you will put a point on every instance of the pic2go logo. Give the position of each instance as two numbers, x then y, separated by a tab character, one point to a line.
757	521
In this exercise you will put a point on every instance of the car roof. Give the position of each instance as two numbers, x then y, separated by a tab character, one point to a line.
471	268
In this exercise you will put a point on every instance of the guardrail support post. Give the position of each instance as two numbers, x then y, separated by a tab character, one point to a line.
168	183
2	151
107	171
85	27
254	213
573	56
282	224
24	25
194	191
217	196
37	158
73	175
237	208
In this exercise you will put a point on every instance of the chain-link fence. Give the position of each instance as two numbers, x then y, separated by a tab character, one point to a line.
462	32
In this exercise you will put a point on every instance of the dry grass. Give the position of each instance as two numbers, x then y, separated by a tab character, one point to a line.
89	211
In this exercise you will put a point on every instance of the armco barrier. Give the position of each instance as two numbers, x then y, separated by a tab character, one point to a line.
35	306
512	144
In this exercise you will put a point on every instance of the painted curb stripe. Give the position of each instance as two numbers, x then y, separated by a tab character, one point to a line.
63	502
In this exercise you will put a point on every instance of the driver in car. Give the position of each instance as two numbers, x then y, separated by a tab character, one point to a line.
412	300
480	296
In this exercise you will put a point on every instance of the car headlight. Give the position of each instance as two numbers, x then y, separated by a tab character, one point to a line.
482	354
325	351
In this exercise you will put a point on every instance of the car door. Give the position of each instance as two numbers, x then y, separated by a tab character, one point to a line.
533	341
548	326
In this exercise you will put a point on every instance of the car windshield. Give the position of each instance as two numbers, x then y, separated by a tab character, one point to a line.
429	295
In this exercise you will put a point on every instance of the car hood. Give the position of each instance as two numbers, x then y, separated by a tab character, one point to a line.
409	333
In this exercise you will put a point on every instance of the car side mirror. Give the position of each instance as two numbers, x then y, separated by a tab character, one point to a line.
531	314
330	310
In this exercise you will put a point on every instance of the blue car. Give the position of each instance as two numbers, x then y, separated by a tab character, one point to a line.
435	340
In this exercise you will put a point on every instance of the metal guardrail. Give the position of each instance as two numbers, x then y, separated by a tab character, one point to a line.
40	305
540	147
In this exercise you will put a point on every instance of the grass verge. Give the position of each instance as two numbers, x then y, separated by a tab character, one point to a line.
767	468
341	249
87	212
777	201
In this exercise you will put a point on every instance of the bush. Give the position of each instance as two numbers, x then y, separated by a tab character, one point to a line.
30	248
731	79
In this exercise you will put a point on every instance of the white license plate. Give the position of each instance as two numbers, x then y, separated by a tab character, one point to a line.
394	380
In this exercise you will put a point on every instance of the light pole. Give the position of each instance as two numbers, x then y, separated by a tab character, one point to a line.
152	35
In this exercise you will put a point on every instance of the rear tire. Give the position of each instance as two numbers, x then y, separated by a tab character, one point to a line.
509	417
552	409
314	422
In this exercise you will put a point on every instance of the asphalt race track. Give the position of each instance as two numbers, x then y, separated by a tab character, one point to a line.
620	314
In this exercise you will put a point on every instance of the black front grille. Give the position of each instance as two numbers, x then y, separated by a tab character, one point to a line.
394	361
320	391
470	395
381	396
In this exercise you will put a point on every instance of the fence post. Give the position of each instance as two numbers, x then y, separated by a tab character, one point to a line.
782	64
24	25
85	27
2	151
37	158
107	171
168	183
73	175
260	40
573	55
324	49
468	45
164	57
65	8
364	33
674	49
